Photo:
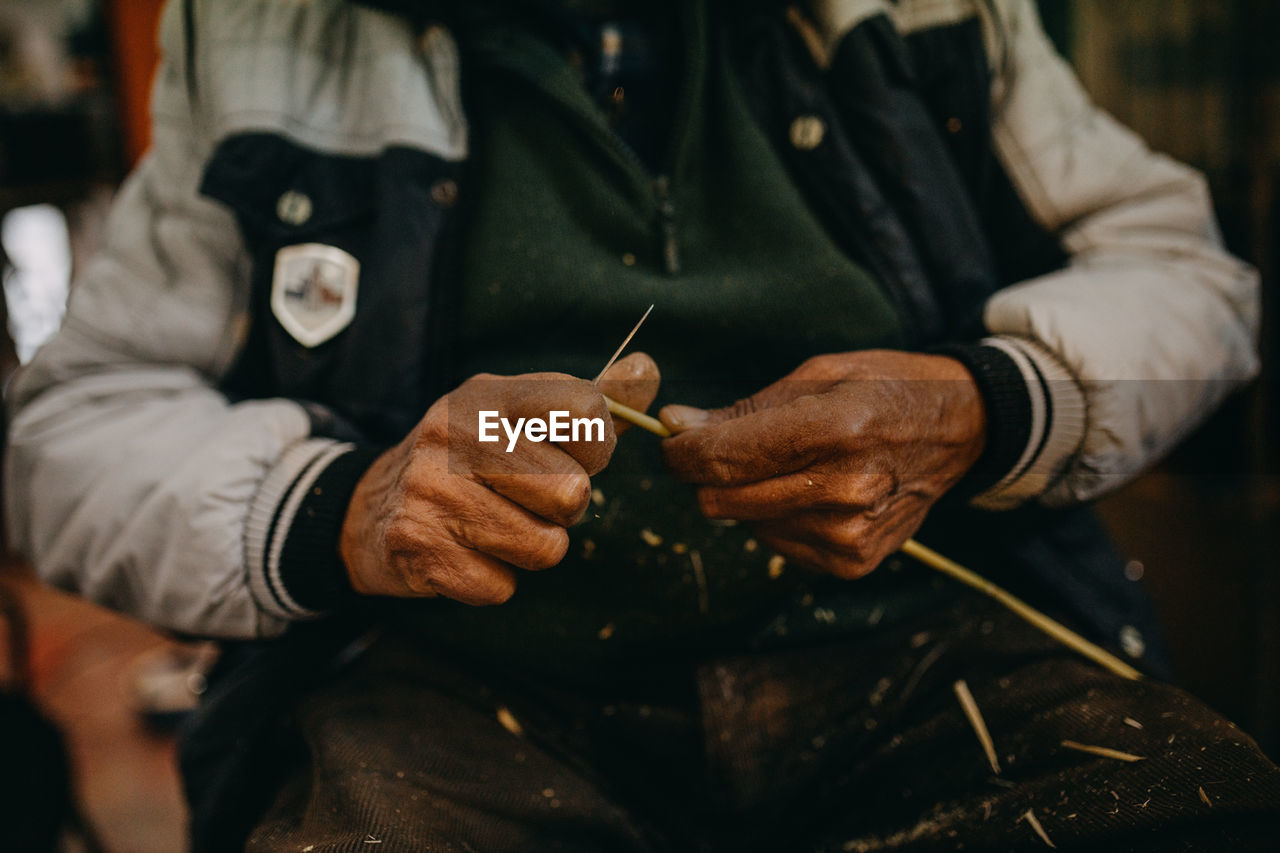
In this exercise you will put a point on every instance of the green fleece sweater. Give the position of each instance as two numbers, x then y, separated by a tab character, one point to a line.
569	239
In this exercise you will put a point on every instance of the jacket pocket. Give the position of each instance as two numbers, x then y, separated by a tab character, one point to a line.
342	250
282	191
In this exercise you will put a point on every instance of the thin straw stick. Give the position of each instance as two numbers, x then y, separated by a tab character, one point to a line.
952	569
1054	629
640	419
621	347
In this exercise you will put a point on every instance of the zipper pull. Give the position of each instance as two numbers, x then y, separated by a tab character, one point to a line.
667	222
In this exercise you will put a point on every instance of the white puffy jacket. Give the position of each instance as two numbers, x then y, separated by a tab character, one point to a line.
132	479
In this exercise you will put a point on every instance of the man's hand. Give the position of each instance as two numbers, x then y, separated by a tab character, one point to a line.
838	463
444	514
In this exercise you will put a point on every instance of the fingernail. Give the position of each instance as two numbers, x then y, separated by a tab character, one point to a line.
678	418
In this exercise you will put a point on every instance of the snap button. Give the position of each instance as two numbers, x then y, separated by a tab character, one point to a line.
954	125
293	208
807	132
444	192
1131	642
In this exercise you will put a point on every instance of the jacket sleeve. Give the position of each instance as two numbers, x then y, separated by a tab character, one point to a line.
1112	360
129	477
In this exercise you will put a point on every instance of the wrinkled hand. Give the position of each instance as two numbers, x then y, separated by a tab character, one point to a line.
444	514
839	462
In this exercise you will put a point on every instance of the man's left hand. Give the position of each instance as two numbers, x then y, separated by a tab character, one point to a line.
838	463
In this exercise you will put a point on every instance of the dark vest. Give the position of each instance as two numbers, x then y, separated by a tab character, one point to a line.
905	181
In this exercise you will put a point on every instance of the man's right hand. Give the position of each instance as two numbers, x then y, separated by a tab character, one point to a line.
444	514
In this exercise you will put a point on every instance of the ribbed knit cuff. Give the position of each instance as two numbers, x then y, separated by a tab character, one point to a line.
1035	419
291	539
1007	401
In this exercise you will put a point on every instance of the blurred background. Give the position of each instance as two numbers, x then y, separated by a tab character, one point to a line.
1199	79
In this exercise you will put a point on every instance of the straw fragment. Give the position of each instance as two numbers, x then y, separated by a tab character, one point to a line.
1034	822
1104	751
974	714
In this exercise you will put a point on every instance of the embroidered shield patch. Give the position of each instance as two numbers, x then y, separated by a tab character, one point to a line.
313	291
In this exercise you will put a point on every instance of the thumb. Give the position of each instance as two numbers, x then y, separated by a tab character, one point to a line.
679	418
633	382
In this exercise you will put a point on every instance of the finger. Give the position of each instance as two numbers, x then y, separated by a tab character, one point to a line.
542	479
850	546
857	536
806	556
749	449
473	578
491	524
633	381
424	560
680	418
593	446
803	491
774	498
579	406
592	437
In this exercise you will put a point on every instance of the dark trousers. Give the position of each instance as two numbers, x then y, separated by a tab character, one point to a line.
855	747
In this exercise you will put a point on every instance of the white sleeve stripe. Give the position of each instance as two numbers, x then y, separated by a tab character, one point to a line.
266	505
1039	413
284	521
1059	399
